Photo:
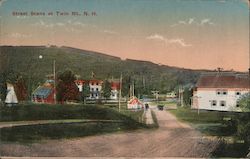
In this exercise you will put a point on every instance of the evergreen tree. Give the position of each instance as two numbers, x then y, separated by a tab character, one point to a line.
85	92
106	89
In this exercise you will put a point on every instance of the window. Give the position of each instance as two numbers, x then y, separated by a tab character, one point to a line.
238	93
237	104
222	103
92	89
224	92
97	89
221	92
213	103
97	84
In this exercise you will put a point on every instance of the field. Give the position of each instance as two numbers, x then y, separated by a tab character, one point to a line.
216	124
74	121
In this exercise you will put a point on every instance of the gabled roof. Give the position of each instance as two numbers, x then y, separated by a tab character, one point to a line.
43	91
223	81
134	100
115	85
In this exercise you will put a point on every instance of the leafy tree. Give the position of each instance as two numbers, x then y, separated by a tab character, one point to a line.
106	89
66	87
20	89
7	76
85	92
244	102
243	120
187	94
126	80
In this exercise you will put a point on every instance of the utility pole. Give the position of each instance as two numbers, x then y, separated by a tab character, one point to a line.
120	93
54	72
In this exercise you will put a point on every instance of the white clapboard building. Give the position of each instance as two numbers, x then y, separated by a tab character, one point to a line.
220	91
11	98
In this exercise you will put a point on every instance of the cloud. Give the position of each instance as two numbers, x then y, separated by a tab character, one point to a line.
158	37
19	35
79	24
1	2
193	21
22	17
110	32
41	23
206	21
73	30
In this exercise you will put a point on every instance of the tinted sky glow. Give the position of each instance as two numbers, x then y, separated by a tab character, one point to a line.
199	34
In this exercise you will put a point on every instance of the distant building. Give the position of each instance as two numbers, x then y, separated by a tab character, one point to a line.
220	91
115	88
11	98
134	103
95	87
80	84
44	93
171	95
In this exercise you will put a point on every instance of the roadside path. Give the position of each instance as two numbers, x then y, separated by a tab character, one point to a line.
172	139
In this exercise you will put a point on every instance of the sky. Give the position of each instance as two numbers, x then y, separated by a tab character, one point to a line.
196	34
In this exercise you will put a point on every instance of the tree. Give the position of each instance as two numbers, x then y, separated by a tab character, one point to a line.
126	81
106	89
187	94
7	76
85	92
244	102
243	120
66	87
20	89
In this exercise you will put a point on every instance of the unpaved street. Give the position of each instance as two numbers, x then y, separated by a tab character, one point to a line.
172	139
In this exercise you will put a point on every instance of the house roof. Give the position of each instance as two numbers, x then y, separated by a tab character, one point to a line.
134	100
223	81
115	85
43	91
95	81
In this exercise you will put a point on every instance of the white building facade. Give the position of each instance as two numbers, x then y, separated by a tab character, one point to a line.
220	92
11	97
95	87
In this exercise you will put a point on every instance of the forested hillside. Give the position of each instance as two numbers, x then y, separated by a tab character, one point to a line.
24	61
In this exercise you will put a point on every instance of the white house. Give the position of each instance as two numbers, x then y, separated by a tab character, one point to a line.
115	88
11	97
95	87
220	91
134	103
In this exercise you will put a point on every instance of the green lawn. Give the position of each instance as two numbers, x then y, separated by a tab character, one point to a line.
214	123
165	103
33	133
125	120
55	112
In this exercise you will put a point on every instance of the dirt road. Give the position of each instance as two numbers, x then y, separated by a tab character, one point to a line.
172	139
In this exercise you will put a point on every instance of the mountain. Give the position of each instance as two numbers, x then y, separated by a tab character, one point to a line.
24	61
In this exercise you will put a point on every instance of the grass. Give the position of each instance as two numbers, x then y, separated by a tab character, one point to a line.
55	112
34	133
237	150
214	123
127	120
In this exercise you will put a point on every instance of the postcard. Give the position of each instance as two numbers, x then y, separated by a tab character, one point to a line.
124	79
